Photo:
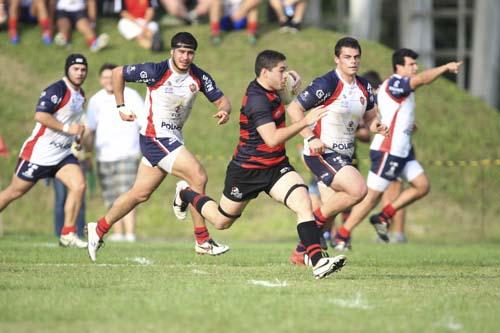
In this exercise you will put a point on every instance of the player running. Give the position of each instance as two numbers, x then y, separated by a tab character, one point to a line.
329	144
392	156
173	85
47	152
260	163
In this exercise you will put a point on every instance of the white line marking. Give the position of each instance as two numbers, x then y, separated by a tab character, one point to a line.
355	303
269	284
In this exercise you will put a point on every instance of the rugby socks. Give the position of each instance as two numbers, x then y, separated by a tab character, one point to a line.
201	234
102	227
252	28
215	28
387	213
44	25
320	218
309	236
91	41
343	233
195	199
12	26
67	230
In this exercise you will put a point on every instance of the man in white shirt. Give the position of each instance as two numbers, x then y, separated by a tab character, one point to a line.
117	147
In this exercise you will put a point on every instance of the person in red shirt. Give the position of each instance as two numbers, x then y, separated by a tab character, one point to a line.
137	22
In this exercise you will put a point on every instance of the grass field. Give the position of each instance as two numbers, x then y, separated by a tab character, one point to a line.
162	286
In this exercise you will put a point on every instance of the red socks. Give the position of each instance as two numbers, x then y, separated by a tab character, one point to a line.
201	234
388	211
215	28
252	28
343	232
102	227
320	218
67	230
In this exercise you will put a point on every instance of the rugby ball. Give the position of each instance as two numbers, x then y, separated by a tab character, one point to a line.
287	94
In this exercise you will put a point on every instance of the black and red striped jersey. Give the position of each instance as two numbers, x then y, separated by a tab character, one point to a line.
259	107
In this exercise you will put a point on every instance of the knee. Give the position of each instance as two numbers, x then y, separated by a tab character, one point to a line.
78	188
224	223
425	189
359	193
140	196
198	179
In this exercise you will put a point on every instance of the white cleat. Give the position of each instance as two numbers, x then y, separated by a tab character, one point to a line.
179	206
94	242
326	266
210	247
72	240
100	42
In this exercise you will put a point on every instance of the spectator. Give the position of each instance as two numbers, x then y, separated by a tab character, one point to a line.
81	14
137	23
29	11
3	12
117	147
227	15
290	14
179	9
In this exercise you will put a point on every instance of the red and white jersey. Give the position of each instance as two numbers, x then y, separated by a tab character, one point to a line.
170	96
396	102
46	146
346	104
71	5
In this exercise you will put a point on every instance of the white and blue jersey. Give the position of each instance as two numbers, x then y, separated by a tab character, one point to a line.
170	96
48	147
396	102
346	105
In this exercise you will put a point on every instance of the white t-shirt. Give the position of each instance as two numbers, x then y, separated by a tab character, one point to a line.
71	5
115	139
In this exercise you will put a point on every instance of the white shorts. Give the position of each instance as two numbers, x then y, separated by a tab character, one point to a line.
166	163
411	170
130	29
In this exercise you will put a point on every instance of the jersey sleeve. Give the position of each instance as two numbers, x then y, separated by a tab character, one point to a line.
259	110
371	97
148	73
208	86
399	87
317	92
51	97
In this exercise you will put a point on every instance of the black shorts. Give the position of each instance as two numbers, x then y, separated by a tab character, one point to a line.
243	184
74	17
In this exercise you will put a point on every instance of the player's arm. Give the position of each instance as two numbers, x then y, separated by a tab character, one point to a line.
48	120
273	136
223	110
372	119
118	88
432	74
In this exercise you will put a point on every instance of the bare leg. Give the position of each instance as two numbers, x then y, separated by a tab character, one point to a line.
16	189
361	210
71	176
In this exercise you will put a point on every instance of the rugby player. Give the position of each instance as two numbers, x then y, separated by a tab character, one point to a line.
173	85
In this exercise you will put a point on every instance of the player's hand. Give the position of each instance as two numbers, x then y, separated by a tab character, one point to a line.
314	115
223	117
298	81
126	114
454	67
316	146
379	128
76	130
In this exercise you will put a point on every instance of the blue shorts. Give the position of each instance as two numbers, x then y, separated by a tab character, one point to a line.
33	172
226	24
155	149
389	166
326	166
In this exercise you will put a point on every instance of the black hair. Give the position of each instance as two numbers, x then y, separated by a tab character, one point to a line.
74	59
268	59
373	78
398	57
183	39
347	42
107	66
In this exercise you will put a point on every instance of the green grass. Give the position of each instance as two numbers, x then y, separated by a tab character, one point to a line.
402	288
463	204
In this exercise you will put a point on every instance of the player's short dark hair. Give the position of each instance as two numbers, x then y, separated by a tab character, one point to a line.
268	59
347	42
107	66
398	57
74	59
183	39
373	78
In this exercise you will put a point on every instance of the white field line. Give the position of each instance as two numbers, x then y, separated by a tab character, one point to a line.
197	271
355	303
269	284
140	261
450	324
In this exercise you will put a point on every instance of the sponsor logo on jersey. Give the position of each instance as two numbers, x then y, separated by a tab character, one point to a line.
54	99
320	93
60	145
362	100
170	127
209	84
235	192
343	146
143	75
193	87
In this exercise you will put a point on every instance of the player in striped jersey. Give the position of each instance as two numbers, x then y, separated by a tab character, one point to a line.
47	152
260	163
